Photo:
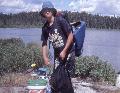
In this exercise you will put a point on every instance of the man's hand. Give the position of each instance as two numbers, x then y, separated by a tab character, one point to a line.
62	55
46	61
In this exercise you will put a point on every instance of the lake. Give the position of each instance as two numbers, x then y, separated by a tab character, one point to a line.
102	43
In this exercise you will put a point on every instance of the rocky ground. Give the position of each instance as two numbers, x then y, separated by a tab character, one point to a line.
83	87
79	87
15	83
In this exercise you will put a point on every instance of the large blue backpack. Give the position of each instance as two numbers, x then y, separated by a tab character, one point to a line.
79	36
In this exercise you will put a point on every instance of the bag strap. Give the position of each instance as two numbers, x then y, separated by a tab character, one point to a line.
59	25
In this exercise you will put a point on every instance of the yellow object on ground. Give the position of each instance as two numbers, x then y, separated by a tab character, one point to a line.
33	65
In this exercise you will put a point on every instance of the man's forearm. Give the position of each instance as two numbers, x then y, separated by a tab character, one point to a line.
69	42
45	52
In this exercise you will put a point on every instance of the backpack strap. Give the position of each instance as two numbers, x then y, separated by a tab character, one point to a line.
59	25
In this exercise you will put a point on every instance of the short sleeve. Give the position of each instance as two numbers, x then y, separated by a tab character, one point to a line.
65	25
44	36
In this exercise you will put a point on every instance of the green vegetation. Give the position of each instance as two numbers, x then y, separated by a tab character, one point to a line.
40	82
96	69
33	19
16	57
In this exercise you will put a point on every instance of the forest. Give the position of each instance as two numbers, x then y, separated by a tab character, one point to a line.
33	19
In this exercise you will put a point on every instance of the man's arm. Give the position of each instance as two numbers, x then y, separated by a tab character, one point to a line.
44	38
68	43
45	53
67	28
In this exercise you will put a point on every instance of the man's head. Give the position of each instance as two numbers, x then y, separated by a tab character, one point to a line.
48	10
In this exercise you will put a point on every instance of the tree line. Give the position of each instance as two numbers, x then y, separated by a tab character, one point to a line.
33	19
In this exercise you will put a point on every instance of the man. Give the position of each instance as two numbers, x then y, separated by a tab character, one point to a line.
62	44
60	36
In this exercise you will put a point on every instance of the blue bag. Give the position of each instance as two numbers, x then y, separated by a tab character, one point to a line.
79	36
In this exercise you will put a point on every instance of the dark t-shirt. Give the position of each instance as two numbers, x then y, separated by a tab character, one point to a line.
57	34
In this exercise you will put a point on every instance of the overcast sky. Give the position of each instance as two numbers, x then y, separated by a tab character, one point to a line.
107	7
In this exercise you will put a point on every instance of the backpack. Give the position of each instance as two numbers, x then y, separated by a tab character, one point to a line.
78	29
79	35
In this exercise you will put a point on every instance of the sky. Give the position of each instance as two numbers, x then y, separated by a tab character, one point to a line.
105	7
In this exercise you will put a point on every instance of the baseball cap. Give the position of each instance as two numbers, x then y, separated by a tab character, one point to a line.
48	6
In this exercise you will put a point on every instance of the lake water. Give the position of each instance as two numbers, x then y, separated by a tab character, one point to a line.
102	43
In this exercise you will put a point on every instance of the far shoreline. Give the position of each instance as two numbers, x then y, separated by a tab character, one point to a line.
40	27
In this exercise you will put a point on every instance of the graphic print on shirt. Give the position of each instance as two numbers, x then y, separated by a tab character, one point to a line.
56	39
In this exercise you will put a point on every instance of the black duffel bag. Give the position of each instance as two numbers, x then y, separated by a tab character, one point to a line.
60	80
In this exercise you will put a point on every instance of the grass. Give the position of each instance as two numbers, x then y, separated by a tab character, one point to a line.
14	79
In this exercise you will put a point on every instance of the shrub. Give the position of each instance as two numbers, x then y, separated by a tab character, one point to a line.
16	57
95	68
